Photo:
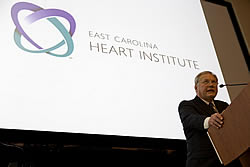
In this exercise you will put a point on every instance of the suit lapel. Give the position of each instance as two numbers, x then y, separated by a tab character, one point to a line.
218	106
203	108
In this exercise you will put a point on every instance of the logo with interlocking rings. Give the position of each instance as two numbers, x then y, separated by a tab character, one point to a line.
38	14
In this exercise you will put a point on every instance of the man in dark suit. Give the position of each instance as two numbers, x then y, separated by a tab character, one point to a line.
197	116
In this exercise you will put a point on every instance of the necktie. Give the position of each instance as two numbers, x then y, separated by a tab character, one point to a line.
212	108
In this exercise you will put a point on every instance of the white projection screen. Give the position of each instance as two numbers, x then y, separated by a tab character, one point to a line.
106	67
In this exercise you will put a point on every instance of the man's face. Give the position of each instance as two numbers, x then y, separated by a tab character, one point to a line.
207	87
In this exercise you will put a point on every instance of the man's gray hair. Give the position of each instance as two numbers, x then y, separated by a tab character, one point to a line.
197	78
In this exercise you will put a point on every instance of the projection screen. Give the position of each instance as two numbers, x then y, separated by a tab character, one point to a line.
106	67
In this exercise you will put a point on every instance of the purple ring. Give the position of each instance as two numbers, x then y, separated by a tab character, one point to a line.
39	13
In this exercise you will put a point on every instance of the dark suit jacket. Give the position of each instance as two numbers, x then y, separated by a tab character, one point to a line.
200	152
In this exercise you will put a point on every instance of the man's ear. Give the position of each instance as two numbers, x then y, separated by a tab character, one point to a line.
195	88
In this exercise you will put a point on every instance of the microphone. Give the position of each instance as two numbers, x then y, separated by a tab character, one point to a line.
237	84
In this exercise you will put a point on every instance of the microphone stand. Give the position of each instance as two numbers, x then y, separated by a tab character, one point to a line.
238	84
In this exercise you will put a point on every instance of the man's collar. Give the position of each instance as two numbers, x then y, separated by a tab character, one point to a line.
206	101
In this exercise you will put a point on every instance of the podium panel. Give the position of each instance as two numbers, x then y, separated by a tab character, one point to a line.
232	141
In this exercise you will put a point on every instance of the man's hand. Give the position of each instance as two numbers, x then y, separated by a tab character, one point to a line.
216	120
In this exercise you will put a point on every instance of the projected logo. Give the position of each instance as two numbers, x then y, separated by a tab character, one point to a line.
38	14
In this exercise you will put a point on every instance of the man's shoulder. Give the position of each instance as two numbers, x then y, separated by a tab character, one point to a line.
196	98
220	102
187	102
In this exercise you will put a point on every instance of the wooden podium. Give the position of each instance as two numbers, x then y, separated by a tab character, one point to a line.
232	141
